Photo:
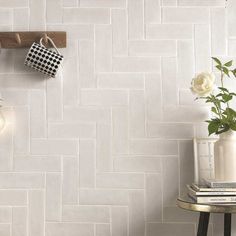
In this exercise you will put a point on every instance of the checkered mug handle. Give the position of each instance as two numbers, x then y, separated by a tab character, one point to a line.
52	43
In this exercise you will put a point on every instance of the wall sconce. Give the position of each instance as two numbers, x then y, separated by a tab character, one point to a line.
2	118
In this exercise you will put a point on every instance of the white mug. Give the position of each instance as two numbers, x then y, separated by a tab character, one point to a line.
43	59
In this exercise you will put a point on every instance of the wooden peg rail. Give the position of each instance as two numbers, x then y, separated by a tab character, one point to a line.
25	39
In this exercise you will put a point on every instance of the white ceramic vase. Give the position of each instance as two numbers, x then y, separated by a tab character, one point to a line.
225	156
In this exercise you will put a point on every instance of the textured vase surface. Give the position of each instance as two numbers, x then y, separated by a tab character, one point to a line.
225	156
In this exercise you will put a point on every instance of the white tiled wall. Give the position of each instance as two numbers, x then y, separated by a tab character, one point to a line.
105	148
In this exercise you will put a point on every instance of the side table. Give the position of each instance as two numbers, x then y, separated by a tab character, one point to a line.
205	209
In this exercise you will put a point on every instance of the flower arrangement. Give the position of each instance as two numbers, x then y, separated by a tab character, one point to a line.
203	85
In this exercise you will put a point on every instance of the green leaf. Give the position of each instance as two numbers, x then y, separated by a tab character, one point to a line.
219	67
217	60
233	126
231	111
224	129
213	127
226	71
227	97
228	64
223	89
219	95
213	109
234	72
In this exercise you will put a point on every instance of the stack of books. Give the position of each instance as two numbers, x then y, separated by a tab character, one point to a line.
213	192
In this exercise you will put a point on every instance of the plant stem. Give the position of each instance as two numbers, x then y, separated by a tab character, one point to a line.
222	85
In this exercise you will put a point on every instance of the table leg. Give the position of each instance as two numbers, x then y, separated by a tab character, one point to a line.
203	224
227	224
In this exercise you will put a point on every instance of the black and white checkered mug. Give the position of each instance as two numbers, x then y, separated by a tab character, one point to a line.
43	59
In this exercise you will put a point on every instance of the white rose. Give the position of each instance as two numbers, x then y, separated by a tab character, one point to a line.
203	84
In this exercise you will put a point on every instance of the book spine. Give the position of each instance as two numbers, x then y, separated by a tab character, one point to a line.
220	185
215	199
215	193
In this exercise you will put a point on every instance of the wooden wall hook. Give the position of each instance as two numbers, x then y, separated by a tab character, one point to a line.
24	39
18	40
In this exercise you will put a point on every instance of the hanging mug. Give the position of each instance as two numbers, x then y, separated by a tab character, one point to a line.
43	59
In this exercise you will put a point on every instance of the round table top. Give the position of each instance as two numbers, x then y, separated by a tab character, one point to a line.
187	203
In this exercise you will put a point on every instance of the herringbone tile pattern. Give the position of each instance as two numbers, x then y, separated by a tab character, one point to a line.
105	148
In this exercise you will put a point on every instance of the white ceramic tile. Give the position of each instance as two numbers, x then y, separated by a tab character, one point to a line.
137	114
36	212
70	182
103	3
22	81
202	48
169	80
70	85
137	164
13	197
136	19
153	97
87	164
53	200
118	180
214	3
14	3
5	214
121	80
104	97
171	179
5	229
152	11
70	130
54	11
152	48
186	15
136	64
185	62
6	16
119	218
153	147
119	32
103	197
54	95
19	221
218	24
21	180
102	230
53	147
231	7
169	31
86	64
136	214
103	49
86	16
37	114
37	164
37	15
120	143
154	205
98	214
103	148
21	19
73	229
170	130
22	130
